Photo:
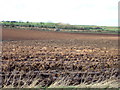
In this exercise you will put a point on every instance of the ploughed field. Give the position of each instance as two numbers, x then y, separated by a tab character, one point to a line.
57	59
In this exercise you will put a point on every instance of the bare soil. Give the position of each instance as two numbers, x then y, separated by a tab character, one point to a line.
13	34
41	58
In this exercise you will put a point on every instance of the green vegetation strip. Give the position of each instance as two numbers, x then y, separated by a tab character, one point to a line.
60	27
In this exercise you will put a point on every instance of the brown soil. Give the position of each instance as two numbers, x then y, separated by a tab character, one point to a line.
42	58
12	34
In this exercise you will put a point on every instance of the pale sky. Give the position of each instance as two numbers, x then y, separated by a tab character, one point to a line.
82	12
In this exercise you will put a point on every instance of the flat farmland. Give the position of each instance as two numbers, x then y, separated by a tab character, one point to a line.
32	58
14	34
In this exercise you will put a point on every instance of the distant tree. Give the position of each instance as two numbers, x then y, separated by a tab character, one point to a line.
98	28
13	21
27	22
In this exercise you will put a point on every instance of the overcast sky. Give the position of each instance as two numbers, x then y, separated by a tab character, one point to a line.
82	12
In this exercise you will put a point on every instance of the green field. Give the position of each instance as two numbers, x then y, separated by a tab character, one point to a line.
60	27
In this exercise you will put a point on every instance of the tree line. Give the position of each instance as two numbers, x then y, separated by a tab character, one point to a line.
48	25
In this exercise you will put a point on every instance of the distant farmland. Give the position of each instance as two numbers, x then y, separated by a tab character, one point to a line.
60	27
